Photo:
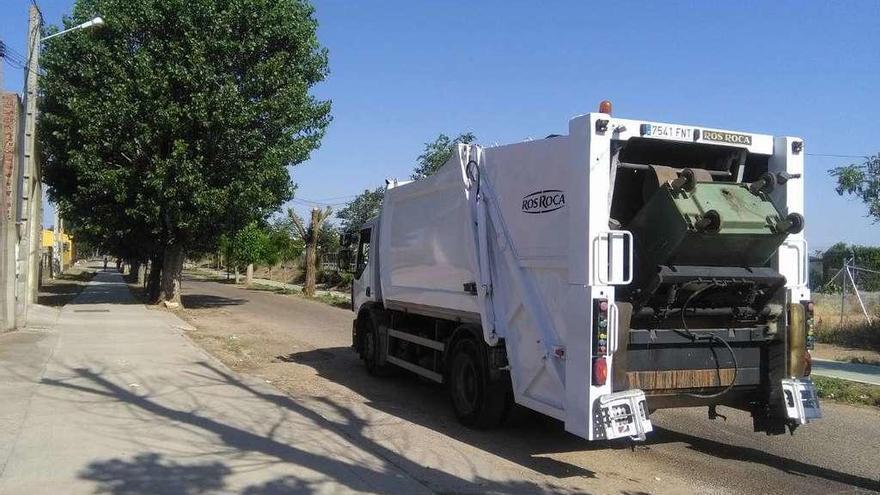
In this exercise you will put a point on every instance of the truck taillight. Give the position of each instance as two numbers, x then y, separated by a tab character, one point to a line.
809	322
600	371
600	341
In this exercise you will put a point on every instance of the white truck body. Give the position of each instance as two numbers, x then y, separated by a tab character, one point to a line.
516	238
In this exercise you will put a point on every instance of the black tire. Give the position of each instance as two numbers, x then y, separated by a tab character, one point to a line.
370	351
478	401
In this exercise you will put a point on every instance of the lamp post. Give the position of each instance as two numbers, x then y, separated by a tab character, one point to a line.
96	22
30	204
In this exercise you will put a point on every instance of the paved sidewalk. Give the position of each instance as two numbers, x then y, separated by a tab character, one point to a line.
854	372
112	398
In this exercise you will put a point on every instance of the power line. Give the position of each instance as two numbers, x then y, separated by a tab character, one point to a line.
831	155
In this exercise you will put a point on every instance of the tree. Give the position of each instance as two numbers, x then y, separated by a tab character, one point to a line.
310	234
362	208
177	120
283	247
250	246
437	153
861	180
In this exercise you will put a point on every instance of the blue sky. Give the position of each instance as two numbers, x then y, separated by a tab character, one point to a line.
404	71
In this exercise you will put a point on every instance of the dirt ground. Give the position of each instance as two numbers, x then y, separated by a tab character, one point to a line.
302	347
846	354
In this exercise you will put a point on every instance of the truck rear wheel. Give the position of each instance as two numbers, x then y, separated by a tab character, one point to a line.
478	401
371	350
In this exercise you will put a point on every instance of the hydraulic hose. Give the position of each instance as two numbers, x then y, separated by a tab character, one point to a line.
711	337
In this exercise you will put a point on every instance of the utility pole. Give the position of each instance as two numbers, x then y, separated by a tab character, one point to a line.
30	187
57	246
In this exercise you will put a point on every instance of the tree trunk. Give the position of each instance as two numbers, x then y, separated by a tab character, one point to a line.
133	270
237	276
172	266
142	274
155	280
311	275
249	275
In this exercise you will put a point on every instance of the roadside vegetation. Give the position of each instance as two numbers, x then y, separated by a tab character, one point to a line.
853	334
847	391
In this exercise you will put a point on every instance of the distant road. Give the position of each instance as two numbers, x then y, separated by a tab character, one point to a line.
864	373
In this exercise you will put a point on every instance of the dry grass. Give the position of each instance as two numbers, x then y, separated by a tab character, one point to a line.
855	331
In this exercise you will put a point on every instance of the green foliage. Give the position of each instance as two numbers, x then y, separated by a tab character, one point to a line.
283	247
177	120
862	256
863	181
437	153
846	391
362	208
335	279
328	239
250	245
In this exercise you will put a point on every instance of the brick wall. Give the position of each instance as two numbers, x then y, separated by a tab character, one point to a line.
10	117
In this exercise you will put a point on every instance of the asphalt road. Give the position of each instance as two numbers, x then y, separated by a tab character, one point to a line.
864	373
687	453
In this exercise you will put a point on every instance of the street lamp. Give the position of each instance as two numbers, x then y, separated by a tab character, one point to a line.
96	22
58	247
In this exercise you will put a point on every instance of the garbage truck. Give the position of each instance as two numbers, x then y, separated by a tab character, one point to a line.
598	276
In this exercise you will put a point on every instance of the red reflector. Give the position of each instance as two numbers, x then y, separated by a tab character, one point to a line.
600	371
808	363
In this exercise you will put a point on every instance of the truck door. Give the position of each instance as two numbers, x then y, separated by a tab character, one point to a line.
363	286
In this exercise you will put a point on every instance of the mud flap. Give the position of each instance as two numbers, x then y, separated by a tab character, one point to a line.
622	414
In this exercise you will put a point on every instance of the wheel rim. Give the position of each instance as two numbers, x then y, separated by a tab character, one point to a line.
466	389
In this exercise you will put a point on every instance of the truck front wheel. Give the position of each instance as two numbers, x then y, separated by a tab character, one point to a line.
371	351
478	401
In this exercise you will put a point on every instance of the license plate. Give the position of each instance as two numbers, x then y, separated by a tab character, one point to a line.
674	132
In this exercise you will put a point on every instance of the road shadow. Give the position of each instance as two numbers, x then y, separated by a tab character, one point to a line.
204	301
739	453
150	474
62	290
529	435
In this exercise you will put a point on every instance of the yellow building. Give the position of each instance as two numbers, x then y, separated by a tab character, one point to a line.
66	246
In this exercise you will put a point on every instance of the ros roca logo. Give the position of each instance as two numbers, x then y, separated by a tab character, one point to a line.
543	201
